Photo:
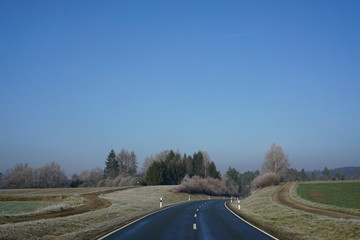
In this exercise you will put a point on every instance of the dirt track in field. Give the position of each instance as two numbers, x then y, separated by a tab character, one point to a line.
281	196
93	203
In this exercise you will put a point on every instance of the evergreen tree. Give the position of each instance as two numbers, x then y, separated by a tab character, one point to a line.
326	174
156	174
246	179
292	174
235	176
111	165
212	172
198	163
303	175
189	166
339	176
314	176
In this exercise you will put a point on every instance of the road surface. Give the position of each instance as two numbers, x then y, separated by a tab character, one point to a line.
193	220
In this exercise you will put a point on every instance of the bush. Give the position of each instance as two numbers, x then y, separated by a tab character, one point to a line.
119	181
265	180
210	186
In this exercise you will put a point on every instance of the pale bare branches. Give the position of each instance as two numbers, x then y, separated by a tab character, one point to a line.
276	160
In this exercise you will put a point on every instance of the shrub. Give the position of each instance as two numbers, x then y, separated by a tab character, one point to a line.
119	181
265	180
210	186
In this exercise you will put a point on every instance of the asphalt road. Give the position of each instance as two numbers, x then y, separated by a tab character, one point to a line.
193	220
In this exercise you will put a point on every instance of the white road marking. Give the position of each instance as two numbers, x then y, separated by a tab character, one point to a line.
251	224
194	226
195	215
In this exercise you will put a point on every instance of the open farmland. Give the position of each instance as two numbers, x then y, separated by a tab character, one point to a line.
341	196
13	208
126	204
289	223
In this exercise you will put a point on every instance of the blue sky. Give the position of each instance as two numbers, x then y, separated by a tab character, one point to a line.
79	78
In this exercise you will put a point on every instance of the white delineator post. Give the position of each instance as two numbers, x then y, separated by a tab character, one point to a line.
231	200
189	198
239	204
161	202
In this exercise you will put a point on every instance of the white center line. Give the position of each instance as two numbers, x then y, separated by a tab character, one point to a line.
195	215
194	226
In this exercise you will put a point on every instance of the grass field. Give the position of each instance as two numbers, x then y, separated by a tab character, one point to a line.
295	224
17	203
340	194
23	207
126	205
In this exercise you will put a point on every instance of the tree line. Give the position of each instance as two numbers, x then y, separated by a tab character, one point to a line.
276	168
23	176
120	170
170	167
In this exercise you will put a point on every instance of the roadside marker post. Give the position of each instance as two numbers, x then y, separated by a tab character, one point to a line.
189	198
239	204
231	199
161	202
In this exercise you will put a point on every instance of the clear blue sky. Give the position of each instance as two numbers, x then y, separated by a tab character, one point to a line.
79	78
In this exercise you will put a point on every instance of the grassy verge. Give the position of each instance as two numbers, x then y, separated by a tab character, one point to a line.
126	205
287	223
337	196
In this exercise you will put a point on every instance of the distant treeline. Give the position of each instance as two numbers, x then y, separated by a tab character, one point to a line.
195	173
170	167
22	176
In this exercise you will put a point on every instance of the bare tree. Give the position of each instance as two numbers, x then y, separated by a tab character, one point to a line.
49	176
161	157
123	159
206	162
132	170
52	176
275	160
21	176
91	178
147	162
127	162
1	180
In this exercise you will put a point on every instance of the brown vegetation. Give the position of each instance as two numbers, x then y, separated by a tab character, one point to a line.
265	180
210	186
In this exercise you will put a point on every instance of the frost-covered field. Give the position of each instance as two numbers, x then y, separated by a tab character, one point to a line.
295	224
126	205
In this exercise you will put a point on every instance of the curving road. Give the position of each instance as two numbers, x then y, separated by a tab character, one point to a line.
193	220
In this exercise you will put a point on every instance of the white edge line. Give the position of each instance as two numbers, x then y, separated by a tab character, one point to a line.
268	234
147	215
